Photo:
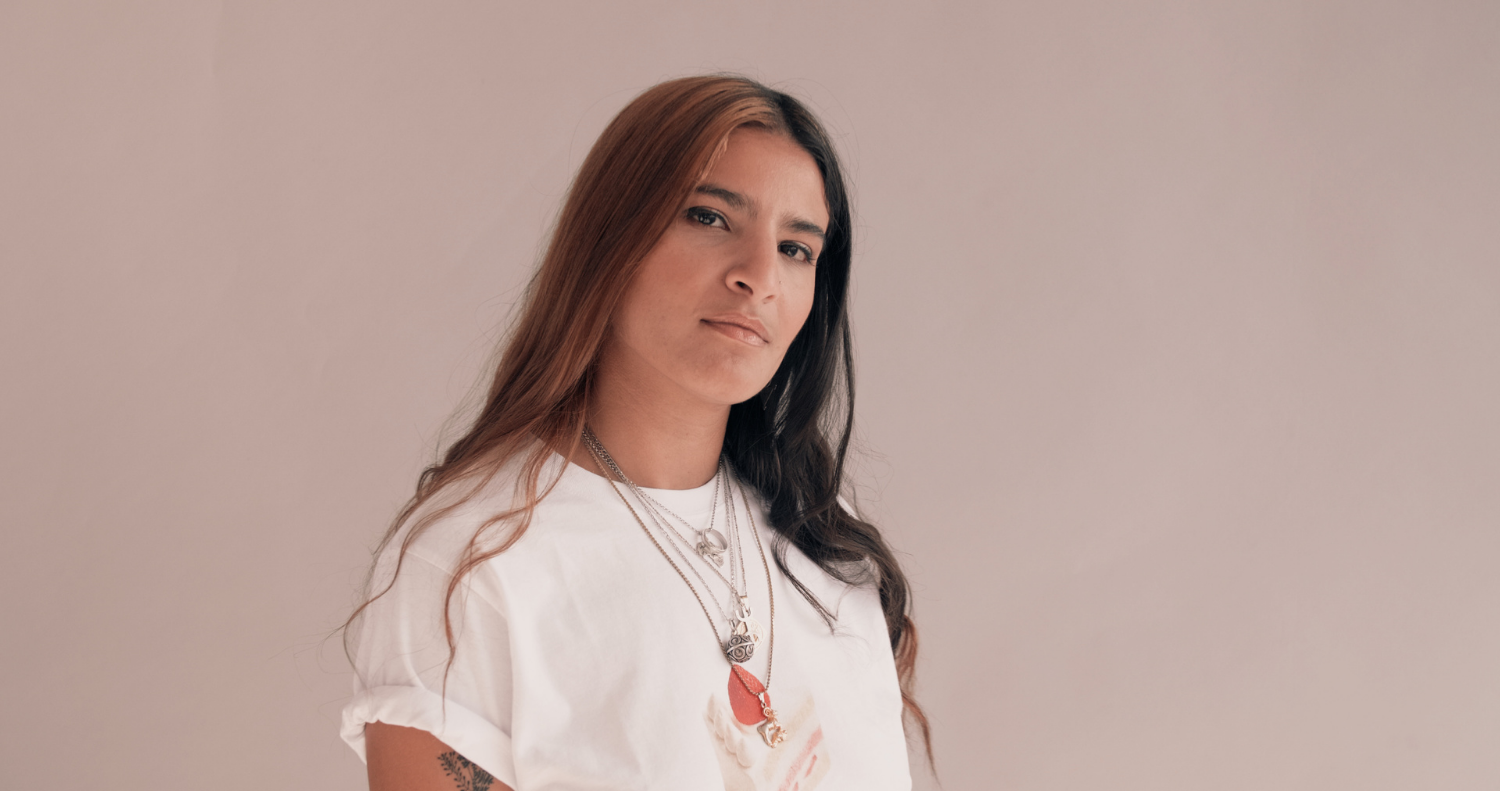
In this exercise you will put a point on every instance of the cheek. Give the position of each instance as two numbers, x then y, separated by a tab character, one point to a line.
798	306
660	300
671	275
634	309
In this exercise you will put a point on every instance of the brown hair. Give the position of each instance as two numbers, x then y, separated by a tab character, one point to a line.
628	190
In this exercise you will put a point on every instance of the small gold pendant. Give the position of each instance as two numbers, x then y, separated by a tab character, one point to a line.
771	730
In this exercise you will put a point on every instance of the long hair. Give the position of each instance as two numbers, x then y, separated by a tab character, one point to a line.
789	441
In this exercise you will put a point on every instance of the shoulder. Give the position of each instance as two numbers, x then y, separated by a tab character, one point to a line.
517	523
498	509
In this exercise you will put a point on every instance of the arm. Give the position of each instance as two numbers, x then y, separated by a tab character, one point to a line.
408	759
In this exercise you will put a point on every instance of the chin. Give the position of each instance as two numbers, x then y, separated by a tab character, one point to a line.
731	390
730	380
733	396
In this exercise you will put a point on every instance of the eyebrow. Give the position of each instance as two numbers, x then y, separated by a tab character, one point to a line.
734	199
807	226
742	203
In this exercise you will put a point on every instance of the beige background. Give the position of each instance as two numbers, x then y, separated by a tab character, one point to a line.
1179	353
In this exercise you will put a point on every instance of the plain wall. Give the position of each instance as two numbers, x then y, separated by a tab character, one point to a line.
1178	333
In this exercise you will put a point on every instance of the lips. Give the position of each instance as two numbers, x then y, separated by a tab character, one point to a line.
740	327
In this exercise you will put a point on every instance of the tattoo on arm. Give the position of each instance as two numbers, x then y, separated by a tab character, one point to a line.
463	771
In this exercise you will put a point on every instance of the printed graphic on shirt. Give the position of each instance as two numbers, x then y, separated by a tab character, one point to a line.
797	764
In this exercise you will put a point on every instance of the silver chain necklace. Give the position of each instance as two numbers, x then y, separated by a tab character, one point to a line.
749	698
711	545
738	580
657	520
746	632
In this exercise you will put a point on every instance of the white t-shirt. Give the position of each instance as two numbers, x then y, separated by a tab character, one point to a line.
584	661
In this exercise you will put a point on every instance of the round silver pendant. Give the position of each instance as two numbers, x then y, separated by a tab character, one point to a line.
741	648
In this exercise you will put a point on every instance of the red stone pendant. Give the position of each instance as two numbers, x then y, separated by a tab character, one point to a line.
752	704
744	695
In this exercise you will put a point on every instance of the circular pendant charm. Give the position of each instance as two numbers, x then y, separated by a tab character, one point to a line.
743	637
741	647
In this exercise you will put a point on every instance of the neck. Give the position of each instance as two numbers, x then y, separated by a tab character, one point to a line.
661	436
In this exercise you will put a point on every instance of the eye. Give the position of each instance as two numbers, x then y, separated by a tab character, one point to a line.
799	251
706	216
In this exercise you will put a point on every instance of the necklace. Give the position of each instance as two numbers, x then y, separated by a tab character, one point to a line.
667	530
745	632
707	548
748	697
711	545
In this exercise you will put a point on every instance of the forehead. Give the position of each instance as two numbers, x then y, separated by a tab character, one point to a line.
773	171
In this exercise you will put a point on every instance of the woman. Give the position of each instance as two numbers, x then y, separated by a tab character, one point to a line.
635	570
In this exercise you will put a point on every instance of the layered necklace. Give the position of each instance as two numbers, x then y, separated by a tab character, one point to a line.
748	697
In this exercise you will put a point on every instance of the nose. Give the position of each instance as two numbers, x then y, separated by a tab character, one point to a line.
756	271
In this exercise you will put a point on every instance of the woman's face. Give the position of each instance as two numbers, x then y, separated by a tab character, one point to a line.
723	293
